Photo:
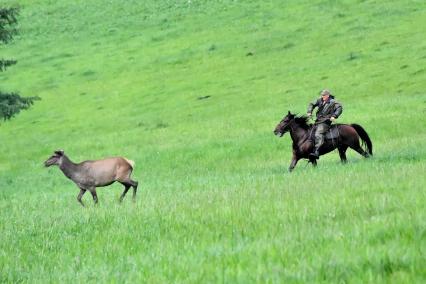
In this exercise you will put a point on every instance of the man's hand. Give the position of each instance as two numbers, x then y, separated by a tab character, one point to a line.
309	114
332	118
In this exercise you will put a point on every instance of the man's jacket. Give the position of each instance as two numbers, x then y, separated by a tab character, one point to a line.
326	109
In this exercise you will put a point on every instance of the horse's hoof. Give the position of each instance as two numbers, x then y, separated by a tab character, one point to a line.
313	156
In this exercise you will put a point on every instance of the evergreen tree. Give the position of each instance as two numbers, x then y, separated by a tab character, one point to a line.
10	103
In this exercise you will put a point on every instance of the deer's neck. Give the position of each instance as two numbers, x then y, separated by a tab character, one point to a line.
69	169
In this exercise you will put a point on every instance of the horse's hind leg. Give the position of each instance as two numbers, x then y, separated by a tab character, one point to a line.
342	154
358	148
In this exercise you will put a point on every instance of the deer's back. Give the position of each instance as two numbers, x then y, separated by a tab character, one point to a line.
106	170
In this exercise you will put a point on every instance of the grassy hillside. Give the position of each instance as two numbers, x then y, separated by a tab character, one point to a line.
191	91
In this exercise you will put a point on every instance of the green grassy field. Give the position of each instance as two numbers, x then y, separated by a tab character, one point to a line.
215	201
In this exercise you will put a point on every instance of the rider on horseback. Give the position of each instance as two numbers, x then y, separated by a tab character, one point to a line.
328	111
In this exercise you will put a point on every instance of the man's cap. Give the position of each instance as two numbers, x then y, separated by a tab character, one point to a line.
325	92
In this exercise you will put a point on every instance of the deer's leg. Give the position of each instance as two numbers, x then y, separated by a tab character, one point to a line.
135	188
126	189
80	195
127	184
94	195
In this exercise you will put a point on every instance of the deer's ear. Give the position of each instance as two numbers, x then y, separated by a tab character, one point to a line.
59	152
289	113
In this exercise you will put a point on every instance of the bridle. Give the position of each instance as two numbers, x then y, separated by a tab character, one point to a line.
289	124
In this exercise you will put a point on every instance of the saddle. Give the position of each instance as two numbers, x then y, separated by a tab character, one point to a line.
331	134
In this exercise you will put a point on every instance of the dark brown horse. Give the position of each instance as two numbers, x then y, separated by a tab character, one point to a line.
341	136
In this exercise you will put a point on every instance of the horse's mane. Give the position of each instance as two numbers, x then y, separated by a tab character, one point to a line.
303	121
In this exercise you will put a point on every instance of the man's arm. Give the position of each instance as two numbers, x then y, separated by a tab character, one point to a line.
337	111
311	107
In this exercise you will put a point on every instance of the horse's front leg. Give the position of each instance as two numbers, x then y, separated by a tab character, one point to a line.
293	163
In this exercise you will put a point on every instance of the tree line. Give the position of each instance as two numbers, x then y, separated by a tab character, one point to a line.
10	103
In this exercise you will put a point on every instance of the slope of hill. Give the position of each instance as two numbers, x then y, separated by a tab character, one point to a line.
191	90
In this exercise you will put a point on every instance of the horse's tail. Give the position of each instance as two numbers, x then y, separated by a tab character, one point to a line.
364	137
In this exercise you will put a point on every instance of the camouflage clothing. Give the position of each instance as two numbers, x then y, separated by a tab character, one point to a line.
320	131
326	110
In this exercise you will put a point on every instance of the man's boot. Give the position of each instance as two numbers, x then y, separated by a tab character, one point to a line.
319	140
315	154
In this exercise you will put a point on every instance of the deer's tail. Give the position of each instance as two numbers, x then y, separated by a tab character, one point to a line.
131	163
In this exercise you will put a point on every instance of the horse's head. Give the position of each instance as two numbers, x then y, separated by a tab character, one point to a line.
284	124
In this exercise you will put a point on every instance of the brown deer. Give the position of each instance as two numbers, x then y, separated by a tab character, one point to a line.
88	175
